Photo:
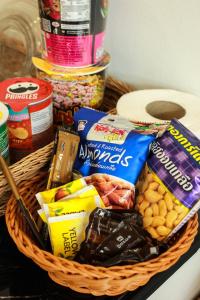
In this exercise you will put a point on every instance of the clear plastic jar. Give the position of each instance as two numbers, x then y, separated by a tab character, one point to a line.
19	37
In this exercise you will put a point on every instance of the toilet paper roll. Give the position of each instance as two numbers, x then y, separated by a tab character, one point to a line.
161	105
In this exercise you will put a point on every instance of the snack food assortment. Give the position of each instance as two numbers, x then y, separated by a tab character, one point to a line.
112	225
117	191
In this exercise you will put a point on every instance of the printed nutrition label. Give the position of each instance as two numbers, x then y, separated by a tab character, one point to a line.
41	120
75	10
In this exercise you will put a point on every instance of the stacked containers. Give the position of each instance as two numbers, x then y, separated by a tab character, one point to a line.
73	51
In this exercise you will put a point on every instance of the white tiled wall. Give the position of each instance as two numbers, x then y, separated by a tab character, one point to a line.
155	43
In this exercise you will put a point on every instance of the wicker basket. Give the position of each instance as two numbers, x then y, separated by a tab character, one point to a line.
81	277
29	166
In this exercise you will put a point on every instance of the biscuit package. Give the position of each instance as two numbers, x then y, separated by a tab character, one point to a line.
169	190
113	151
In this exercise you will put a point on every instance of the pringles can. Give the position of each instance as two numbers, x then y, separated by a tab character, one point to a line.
73	31
30	121
4	148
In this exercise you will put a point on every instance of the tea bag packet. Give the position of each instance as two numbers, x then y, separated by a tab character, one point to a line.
170	192
111	155
67	221
87	191
67	233
64	154
60	192
127	243
73	205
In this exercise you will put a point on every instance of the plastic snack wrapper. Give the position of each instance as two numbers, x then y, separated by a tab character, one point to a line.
67	233
60	192
114	237
73	205
87	191
64	154
114	152
42	215
67	221
169	193
115	192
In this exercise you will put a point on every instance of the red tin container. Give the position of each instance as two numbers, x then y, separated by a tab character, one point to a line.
30	121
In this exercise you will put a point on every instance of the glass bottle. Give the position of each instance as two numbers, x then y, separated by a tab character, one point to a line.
19	37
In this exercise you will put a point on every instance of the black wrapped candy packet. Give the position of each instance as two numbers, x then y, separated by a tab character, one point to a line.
131	256
116	237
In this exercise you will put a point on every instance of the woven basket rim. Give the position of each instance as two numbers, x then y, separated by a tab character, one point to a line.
112	268
86	278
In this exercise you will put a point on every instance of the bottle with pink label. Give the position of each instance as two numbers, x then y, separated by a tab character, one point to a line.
73	31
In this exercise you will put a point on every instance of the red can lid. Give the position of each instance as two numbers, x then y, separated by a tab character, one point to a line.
20	92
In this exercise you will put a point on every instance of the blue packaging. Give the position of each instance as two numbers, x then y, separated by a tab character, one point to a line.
109	144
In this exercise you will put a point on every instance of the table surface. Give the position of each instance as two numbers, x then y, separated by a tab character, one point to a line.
20	278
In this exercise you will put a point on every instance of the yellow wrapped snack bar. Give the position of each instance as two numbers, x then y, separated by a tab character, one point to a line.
42	215
67	233
87	191
60	192
73	205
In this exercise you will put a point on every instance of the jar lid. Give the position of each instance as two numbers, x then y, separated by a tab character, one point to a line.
3	113
51	69
20	92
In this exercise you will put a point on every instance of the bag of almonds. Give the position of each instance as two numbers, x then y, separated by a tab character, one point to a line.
169	188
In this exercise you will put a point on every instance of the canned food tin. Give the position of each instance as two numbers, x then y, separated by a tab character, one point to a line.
30	121
73	31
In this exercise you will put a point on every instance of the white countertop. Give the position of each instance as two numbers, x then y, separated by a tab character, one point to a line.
184	284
